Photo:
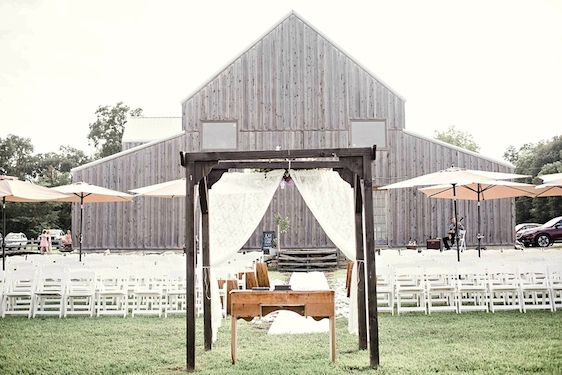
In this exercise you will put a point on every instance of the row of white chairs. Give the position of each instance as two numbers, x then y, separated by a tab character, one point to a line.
106	284
52	290
469	290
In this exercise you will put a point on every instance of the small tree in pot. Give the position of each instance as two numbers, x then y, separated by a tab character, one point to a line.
282	227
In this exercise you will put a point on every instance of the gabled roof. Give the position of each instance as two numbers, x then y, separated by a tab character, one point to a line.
181	133
292	13
439	142
147	129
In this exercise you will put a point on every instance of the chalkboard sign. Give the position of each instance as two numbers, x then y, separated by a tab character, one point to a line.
267	240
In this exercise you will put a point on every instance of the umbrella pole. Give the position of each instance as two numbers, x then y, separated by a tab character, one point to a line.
479	236
81	214
3	233
456	223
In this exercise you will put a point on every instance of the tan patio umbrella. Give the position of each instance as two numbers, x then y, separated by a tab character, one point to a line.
453	177
552	178
494	189
169	189
551	187
14	190
85	193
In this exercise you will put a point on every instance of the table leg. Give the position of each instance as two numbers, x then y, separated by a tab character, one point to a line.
233	334
333	338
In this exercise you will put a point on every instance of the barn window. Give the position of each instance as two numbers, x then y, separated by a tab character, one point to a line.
219	135
366	133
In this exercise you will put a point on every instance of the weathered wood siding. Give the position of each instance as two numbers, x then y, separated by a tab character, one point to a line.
146	223
411	215
293	83
128	145
293	89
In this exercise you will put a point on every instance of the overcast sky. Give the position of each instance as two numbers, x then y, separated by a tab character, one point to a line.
492	68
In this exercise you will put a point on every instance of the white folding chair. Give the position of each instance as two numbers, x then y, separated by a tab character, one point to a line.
410	291
462	240
223	294
111	292
504	290
385	292
17	298
79	298
48	296
555	283
175	293
536	293
472	290
148	294
441	291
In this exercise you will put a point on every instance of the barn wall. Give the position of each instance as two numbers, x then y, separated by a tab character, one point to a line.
146	223
412	215
296	90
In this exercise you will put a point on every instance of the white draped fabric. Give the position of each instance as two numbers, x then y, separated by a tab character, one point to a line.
331	201
237	203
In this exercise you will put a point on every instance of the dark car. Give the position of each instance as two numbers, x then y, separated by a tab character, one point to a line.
542	236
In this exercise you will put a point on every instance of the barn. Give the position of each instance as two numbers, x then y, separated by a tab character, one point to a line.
291	89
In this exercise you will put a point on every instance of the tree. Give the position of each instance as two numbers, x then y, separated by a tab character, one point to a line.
53	168
535	160
457	138
47	169
16	156
107	131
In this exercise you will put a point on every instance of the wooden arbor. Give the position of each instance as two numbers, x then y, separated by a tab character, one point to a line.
353	165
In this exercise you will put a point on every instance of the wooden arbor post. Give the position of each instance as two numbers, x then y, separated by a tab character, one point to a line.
371	266
199	165
360	259
190	263
206	258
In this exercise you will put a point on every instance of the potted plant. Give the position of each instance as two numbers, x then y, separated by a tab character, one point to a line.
282	224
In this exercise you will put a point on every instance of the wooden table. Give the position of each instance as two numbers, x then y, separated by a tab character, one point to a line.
247	304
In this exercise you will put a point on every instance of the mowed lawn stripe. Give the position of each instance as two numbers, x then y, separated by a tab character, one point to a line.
476	343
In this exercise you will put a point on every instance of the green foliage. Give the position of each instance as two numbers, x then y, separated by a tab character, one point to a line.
107	131
444	343
537	159
16	156
457	138
282	223
47	169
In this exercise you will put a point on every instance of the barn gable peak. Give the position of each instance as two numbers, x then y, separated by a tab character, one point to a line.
291	17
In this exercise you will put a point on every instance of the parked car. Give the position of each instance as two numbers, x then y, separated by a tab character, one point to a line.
525	226
16	240
542	236
56	234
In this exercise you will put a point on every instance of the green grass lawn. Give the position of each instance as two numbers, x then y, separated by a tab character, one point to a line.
500	343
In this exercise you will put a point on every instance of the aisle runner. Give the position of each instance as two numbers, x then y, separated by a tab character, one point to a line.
288	322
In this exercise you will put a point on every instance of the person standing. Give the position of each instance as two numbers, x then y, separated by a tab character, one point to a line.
44	242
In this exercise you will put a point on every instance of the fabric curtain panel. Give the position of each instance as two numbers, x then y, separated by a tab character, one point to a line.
331	201
237	203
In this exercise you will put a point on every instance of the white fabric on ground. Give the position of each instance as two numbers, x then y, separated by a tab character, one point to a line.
330	199
237	203
288	322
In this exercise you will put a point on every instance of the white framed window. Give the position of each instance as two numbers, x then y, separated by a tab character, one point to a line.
219	135
366	133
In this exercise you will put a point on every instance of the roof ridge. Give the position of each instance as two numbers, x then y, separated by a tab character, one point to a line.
275	26
477	154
